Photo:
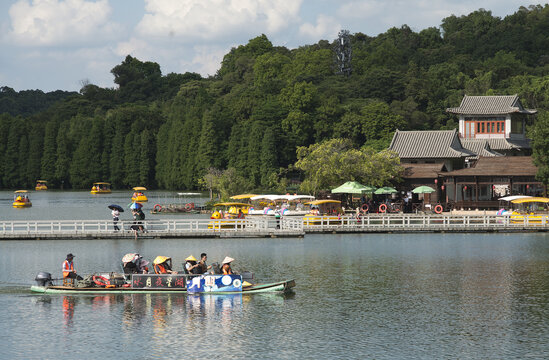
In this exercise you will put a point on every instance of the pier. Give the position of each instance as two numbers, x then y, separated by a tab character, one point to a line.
269	227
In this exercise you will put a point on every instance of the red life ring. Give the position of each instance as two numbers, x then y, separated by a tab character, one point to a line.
188	207
365	207
100	280
157	207
382	208
438	209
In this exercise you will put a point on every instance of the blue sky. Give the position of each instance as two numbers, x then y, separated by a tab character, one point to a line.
58	44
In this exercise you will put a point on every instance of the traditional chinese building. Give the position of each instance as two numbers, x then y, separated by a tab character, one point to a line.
486	159
426	155
499	120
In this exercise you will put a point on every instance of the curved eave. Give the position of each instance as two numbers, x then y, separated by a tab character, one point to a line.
458	111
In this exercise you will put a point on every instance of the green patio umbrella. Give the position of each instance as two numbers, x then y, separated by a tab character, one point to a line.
386	190
423	190
353	187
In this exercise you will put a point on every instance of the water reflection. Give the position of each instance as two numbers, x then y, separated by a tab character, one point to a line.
393	296
68	309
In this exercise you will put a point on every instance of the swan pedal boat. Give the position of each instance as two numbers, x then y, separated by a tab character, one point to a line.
172	283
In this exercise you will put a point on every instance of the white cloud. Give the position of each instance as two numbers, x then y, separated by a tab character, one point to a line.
326	27
216	20
58	22
207	59
376	16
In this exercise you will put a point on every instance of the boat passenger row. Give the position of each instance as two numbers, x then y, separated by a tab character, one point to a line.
196	277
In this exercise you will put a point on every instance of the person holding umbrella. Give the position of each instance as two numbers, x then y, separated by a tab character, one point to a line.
116	210
138	215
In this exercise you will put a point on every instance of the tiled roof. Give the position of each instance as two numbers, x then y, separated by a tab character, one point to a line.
499	166
441	144
490	105
479	146
508	144
422	171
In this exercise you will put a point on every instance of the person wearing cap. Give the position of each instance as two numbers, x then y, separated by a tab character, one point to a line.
163	265
226	266
191	265
68	269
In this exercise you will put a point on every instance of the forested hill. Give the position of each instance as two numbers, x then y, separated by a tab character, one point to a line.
166	131
28	102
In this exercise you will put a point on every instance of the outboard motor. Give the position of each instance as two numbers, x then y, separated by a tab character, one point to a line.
44	279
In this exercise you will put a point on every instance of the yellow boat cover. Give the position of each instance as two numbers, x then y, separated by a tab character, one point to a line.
325	201
242	196
530	200
232	204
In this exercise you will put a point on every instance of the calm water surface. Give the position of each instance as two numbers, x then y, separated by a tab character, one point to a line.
390	296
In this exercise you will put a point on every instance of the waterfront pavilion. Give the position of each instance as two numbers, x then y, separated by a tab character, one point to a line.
490	178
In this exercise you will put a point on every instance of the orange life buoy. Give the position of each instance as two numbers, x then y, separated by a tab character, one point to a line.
188	207
438	209
365	207
100	280
382	208
157	207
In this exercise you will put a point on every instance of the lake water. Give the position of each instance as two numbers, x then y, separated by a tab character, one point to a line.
358	296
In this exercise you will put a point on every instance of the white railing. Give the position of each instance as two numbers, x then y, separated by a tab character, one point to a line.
289	224
151	226
427	221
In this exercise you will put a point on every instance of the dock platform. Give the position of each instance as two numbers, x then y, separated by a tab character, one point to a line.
265	226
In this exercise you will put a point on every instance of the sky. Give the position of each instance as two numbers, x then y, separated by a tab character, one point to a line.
61	44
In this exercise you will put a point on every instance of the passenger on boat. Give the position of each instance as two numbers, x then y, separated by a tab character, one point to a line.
240	214
135	264
68	269
202	266
163	265
191	265
226	266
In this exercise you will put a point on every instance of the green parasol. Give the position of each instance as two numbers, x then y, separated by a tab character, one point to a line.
423	190
353	187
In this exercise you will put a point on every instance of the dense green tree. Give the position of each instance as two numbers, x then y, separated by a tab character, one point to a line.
62	163
35	148
47	166
539	133
335	161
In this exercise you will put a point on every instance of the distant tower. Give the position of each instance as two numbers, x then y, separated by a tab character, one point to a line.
343	53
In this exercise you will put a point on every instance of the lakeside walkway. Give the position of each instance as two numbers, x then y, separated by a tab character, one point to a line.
269	227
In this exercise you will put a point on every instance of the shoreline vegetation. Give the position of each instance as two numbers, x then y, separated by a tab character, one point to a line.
274	118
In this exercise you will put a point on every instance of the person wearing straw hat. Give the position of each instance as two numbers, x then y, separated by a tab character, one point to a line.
191	265
226	266
163	265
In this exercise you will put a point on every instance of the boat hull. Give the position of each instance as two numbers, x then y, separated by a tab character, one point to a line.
96	192
21	204
140	198
278	287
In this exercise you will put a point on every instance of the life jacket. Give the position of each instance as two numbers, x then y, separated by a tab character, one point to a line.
226	270
161	268
68	267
